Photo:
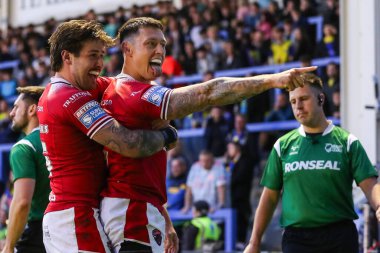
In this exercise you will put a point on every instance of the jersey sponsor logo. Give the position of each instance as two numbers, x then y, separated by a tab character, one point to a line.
40	108
44	129
333	148
154	95
157	236
311	165
75	97
85	108
294	150
89	113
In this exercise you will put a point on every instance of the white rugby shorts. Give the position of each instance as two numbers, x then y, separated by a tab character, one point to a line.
130	220
73	230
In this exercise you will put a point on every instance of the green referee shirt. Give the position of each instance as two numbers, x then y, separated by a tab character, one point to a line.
316	174
27	161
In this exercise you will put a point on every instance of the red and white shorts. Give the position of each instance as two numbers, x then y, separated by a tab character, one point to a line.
130	220
77	229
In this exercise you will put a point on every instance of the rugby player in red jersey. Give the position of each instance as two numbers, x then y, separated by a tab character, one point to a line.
133	209
74	129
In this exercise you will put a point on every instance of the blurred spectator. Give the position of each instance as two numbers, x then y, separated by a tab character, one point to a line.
298	20
174	153
231	59
31	76
259	49
265	25
253	17
216	131
8	86
305	60
173	36
239	174
176	184
197	31
90	15
188	59
201	233
243	10
274	11
4	52
300	44
247	141
331	83
206	181
307	8
280	47
4	109
213	39
329	45
290	6
112	25
330	12
281	111
205	60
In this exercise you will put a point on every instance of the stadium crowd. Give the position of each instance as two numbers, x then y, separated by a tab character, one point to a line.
203	37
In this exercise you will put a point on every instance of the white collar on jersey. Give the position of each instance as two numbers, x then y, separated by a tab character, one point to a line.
55	79
328	129
125	76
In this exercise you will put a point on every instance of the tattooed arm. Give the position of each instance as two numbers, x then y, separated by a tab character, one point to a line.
130	143
226	90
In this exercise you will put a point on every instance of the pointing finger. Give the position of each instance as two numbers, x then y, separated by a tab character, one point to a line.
306	69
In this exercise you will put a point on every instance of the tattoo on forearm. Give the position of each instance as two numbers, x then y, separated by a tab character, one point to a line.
139	142
220	91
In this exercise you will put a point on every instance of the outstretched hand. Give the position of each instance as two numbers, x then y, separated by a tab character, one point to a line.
290	79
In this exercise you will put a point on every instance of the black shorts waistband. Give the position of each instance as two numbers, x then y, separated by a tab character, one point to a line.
341	223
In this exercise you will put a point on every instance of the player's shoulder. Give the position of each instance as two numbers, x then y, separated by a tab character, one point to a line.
290	136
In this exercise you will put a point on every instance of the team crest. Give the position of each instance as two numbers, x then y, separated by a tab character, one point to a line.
157	236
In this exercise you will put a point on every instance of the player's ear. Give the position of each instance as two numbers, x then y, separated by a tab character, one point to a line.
66	56
126	47
32	109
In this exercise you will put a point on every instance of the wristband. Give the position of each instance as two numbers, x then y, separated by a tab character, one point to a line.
170	135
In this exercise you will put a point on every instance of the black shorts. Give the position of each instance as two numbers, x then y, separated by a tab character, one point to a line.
31	240
339	237
134	247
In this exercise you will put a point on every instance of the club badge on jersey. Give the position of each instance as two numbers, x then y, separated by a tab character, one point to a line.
154	95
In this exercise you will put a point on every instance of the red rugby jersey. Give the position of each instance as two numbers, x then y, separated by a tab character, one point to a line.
135	105
69	118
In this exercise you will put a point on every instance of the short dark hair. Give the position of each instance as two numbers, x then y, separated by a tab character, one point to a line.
314	81
132	26
31	93
71	36
202	207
